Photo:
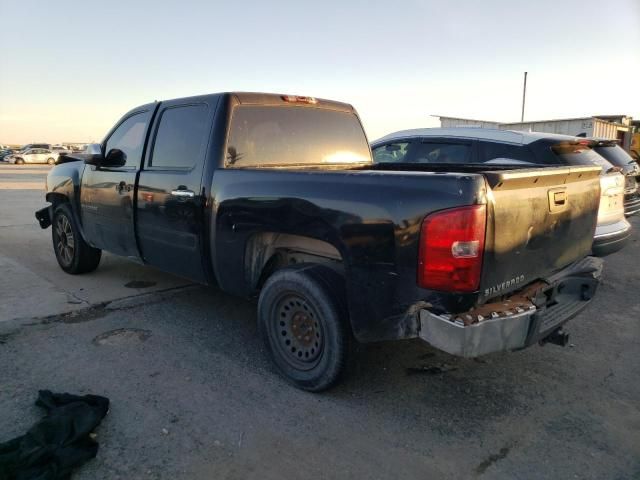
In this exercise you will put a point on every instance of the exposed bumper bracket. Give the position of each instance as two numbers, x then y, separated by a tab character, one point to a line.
566	294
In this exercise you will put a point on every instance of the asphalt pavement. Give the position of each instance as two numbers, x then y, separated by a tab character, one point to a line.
194	396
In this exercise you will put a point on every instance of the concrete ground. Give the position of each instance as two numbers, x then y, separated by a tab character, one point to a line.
194	397
32	284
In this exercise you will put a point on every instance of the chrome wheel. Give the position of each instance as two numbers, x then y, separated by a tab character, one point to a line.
296	330
65	242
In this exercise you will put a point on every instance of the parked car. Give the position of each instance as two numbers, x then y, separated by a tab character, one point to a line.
5	153
276	196
33	155
618	157
60	149
29	146
490	147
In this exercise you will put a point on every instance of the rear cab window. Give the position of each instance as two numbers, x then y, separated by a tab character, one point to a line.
294	136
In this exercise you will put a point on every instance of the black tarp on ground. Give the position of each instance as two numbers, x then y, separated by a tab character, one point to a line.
59	442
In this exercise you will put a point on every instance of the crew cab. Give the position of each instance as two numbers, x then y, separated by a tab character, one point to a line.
277	197
472	145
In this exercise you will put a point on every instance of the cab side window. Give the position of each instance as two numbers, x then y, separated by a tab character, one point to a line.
181	137
129	137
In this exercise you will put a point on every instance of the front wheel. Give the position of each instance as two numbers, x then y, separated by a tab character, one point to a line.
74	255
19	161
51	161
303	324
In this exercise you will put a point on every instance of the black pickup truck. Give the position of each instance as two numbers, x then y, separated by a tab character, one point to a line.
276	196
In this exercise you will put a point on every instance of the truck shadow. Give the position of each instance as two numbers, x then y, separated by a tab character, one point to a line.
452	395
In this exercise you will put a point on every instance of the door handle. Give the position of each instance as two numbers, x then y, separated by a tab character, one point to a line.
182	193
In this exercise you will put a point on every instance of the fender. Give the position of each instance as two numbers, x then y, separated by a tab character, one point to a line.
63	185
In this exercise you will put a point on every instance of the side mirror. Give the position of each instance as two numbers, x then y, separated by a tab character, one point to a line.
115	158
93	155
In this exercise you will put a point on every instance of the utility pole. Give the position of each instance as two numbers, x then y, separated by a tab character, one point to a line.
524	96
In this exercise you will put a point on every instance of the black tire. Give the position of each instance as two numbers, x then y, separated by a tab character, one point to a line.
19	161
51	161
74	255
303	323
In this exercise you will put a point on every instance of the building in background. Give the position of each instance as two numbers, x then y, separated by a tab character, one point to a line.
615	127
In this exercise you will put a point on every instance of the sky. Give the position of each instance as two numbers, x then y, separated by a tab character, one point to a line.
70	68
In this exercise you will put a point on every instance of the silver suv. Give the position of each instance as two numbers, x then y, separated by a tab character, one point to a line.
465	145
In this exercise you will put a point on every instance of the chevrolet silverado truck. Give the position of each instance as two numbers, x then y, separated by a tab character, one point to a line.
277	197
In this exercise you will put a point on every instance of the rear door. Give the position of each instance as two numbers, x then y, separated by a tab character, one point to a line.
170	198
539	221
107	193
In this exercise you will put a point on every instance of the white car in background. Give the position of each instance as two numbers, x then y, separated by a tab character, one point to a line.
33	155
60	149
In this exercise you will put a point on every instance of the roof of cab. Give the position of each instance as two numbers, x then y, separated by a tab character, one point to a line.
275	99
282	99
493	134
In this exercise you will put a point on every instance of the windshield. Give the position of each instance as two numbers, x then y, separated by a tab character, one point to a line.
263	136
615	155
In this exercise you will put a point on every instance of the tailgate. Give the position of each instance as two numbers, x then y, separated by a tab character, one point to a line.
538	221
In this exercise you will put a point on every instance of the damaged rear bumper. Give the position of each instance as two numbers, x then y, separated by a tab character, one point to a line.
525	318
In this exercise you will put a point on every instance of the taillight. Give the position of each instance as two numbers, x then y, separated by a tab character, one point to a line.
299	99
451	249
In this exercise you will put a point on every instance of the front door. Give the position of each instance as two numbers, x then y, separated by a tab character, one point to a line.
107	193
32	156
171	203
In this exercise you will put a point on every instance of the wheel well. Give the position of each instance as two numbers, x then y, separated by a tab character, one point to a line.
267	252
56	198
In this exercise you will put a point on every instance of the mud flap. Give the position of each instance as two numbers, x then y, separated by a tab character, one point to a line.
44	217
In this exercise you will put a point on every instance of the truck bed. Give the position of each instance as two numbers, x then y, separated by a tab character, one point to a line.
374	217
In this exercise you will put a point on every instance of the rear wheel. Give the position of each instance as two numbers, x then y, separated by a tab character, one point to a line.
51	161
74	255
304	326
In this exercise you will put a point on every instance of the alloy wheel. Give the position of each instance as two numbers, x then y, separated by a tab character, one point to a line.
65	242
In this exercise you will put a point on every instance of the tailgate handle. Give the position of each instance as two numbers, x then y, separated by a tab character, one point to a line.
559	197
558	200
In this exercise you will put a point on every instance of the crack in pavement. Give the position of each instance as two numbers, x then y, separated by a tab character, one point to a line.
98	310
491	459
